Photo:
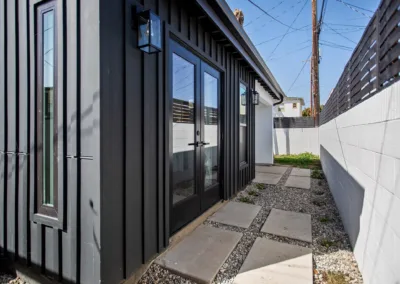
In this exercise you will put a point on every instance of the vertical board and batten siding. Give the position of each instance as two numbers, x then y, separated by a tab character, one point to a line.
116	208
70	254
134	106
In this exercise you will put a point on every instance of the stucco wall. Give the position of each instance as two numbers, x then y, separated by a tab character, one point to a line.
295	140
263	132
360	154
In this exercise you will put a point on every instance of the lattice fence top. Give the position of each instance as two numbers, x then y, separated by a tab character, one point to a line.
374	64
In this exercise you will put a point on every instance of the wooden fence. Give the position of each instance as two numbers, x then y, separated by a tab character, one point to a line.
374	64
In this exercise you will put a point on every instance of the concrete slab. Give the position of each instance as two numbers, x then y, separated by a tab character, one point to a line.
298	182
300	172
271	169
267	178
236	214
289	224
276	263
200	255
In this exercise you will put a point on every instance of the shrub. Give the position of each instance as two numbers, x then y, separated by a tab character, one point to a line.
253	192
317	174
246	199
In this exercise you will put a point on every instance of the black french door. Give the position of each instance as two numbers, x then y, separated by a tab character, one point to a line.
195	136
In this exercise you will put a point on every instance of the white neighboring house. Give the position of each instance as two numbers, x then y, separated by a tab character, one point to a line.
291	107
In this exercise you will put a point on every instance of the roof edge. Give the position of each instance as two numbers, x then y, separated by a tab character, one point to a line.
245	39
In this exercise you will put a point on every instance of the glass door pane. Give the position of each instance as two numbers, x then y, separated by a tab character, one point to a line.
210	135
184	129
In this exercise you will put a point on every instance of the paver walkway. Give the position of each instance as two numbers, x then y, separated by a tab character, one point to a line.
236	214
275	262
270	242
269	174
200	255
299	178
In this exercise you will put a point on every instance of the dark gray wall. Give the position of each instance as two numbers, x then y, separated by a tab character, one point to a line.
69	253
294	122
134	130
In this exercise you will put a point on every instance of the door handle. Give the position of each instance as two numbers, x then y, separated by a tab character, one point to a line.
204	143
194	144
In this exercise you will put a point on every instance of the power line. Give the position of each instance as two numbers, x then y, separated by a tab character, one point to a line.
338	47
335	44
360	7
283	37
263	14
271	39
269	15
346	25
281	14
339	33
322	15
354	8
290	52
298	75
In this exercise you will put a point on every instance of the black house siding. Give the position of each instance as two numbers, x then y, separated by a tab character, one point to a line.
134	105
114	131
70	253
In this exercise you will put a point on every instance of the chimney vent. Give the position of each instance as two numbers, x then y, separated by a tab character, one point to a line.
239	16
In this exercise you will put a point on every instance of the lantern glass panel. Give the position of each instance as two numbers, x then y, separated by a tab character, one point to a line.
144	28
155	26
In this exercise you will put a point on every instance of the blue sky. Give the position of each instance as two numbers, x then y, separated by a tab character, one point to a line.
288	59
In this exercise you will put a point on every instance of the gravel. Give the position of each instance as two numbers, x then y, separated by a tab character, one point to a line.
6	278
332	251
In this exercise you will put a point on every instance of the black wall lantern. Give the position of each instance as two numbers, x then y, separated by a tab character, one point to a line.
256	98
243	98
149	31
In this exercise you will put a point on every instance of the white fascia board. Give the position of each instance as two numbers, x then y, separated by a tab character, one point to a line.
265	97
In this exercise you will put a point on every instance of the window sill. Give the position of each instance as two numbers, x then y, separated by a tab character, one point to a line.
47	221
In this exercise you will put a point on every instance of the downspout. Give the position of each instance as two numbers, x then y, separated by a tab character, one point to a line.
280	100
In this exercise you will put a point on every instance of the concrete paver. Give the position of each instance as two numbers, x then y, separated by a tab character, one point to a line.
300	172
267	178
276	263
298	182
271	169
200	255
236	214
289	224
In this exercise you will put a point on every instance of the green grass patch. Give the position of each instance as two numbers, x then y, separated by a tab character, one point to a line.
305	160
253	192
246	199
325	219
317	174
327	243
260	186
331	277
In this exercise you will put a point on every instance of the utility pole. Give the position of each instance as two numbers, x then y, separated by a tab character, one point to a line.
315	61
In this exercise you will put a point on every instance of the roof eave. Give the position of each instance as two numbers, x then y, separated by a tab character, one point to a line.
242	36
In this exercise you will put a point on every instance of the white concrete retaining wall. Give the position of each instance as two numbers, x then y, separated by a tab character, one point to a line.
360	154
296	141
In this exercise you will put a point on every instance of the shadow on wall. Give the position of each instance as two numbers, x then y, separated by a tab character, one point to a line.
347	192
287	141
276	144
276	148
